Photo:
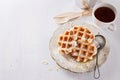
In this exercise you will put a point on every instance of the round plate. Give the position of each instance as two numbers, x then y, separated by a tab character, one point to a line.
70	64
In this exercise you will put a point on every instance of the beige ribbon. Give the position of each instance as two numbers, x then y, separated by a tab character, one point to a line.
68	16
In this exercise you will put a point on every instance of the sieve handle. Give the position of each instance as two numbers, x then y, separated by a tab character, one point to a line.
96	69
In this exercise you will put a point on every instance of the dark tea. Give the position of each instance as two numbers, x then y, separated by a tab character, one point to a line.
104	14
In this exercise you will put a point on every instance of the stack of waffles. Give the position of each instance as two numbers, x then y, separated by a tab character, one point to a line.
77	43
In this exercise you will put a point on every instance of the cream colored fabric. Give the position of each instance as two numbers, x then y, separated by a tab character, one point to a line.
67	16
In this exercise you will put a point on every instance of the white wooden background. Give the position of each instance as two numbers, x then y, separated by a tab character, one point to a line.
25	30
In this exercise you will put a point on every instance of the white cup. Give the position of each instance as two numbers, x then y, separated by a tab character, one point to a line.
95	4
105	25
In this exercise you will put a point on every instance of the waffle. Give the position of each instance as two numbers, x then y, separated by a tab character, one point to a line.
77	43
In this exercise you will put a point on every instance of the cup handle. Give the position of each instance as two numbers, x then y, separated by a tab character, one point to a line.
111	27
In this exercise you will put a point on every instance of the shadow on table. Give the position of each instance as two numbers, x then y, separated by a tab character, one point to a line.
79	76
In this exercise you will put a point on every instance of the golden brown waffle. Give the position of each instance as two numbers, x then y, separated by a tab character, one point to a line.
65	42
78	43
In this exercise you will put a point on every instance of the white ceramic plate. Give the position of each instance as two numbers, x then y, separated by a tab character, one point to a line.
70	64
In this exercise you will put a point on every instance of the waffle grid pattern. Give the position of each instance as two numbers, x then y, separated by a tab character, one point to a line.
78	43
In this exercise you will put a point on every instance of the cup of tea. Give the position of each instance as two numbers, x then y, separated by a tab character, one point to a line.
104	15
